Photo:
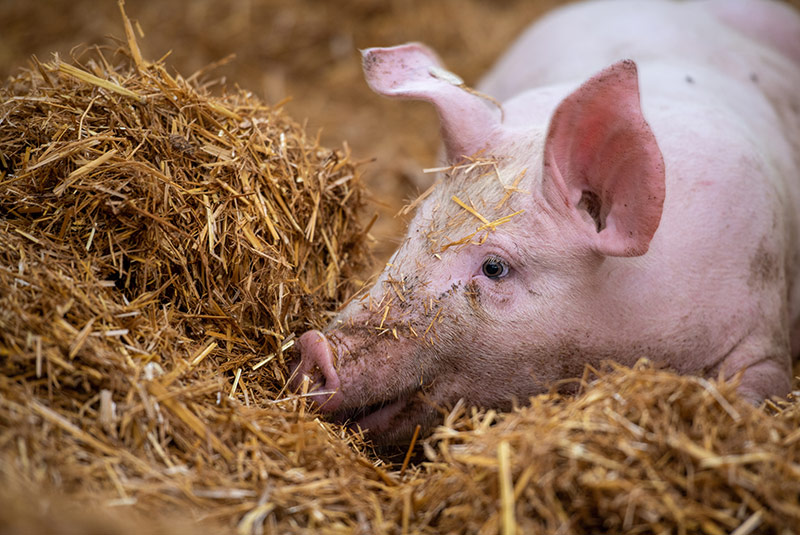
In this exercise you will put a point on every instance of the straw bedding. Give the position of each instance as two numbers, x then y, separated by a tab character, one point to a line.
160	247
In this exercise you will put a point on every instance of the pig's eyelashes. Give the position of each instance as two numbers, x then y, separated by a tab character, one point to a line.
494	267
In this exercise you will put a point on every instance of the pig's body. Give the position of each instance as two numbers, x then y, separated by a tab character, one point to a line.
716	100
675	239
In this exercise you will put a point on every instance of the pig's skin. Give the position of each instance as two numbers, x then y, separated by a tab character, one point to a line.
702	278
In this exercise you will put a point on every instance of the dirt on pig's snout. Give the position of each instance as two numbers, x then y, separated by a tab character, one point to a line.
390	355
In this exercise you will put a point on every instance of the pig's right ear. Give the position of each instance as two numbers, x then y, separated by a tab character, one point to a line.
602	165
412	71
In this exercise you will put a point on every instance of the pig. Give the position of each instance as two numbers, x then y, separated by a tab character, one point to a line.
624	183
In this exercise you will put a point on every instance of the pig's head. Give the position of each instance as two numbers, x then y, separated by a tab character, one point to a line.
491	294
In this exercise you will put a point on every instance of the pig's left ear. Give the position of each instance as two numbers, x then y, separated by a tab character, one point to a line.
602	164
413	71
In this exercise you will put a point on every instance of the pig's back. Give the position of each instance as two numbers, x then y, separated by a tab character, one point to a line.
578	40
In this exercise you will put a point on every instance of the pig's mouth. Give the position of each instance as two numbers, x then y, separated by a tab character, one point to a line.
377	417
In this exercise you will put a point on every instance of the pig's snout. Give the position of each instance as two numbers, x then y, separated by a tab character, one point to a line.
317	363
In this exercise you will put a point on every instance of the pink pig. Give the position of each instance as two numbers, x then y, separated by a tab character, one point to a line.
612	208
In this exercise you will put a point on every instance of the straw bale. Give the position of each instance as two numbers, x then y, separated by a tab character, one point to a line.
160	246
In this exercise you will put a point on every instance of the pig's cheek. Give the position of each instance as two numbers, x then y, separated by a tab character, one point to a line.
490	295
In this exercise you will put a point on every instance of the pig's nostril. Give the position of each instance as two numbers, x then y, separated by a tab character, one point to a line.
316	363
313	377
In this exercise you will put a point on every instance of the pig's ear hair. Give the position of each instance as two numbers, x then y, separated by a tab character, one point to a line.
602	165
413	71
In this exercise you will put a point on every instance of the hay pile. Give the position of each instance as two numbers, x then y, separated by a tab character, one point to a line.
159	249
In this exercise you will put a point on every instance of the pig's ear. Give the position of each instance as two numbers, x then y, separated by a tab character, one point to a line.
412	71
602	164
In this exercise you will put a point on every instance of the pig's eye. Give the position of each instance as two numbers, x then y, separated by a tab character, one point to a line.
494	267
